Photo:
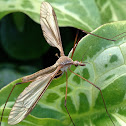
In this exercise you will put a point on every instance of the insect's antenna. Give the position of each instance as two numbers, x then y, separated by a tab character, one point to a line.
98	89
86	62
111	39
75	44
66	100
8	99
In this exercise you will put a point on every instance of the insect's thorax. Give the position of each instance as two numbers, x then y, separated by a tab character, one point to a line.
65	62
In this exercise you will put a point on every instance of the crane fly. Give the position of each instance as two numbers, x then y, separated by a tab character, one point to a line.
40	80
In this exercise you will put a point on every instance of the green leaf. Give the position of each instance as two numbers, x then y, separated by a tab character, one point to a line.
105	68
82	14
112	10
68	12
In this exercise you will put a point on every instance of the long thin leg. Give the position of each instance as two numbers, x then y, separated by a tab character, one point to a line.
75	41
65	103
98	89
119	35
9	97
111	39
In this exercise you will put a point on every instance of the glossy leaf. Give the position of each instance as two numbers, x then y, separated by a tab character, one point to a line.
66	11
112	10
105	68
84	14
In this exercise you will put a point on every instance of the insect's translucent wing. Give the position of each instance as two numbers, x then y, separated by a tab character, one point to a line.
50	27
27	100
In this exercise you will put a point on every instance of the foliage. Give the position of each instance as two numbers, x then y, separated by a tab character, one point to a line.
24	50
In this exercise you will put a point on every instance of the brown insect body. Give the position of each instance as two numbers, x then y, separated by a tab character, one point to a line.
65	63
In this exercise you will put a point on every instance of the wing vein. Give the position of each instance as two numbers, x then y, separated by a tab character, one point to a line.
23	106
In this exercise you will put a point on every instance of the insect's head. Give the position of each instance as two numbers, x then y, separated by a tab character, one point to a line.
77	63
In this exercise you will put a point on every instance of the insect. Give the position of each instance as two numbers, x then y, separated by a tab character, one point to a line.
40	80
